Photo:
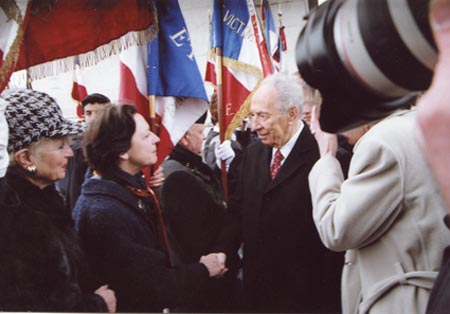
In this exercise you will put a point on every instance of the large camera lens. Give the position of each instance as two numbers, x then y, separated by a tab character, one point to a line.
366	57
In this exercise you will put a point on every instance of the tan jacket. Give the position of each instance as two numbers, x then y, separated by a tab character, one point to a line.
387	215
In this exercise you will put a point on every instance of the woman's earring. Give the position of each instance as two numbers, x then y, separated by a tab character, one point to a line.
32	169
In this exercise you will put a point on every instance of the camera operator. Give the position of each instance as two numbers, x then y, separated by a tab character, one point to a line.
387	212
433	119
387	216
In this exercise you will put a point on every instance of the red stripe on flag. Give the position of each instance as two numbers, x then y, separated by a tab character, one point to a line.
165	144
234	95
283	39
79	92
262	49
129	92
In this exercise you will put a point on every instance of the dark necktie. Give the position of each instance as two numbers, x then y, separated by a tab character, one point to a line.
276	163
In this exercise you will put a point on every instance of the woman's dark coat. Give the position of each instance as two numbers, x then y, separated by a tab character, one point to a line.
121	236
41	265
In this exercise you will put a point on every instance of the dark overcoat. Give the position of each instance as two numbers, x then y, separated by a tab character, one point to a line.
439	302
286	268
42	267
193	203
123	245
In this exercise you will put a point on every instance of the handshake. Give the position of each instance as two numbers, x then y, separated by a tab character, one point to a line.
215	262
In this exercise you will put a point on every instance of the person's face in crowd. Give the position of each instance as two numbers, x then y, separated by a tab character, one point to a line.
194	137
308	104
352	136
91	112
142	151
49	156
272	125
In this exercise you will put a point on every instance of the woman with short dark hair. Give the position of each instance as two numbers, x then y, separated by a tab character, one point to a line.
120	223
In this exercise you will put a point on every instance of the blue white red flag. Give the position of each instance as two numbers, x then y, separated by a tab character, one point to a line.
235	28
173	71
270	32
279	58
166	68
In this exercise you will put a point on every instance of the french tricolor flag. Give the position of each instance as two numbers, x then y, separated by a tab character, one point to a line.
245	59
269	29
165	68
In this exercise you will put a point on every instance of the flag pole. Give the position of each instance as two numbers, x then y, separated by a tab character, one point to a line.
151	107
152	123
220	105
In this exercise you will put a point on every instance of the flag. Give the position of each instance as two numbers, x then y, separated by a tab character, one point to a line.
279	57
90	29
235	28
172	76
270	33
79	90
13	19
133	79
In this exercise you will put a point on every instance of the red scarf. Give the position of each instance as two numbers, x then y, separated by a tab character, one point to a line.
150	193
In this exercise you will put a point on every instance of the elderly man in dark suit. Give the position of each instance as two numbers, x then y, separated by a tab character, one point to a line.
193	203
286	268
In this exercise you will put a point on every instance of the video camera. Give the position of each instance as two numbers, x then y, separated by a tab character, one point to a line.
366	57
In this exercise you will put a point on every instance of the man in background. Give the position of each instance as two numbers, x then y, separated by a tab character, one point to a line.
70	186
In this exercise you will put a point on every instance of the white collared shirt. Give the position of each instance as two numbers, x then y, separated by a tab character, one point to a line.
287	148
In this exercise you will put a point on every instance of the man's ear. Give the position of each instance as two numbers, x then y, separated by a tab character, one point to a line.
23	158
185	139
292	114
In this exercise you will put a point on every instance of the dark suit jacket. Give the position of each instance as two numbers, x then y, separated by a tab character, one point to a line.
439	302
286	268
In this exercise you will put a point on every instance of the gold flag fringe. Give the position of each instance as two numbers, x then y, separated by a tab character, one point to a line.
242	113
13	53
237	65
242	67
244	109
93	57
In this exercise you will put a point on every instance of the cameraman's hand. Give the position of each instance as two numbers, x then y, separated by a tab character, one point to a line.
327	142
223	151
215	262
433	114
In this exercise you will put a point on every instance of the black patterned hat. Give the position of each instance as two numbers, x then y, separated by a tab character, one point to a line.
32	115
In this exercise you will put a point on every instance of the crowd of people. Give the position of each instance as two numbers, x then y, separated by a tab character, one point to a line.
313	223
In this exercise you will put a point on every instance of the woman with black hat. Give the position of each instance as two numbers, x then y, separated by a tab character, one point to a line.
42	266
